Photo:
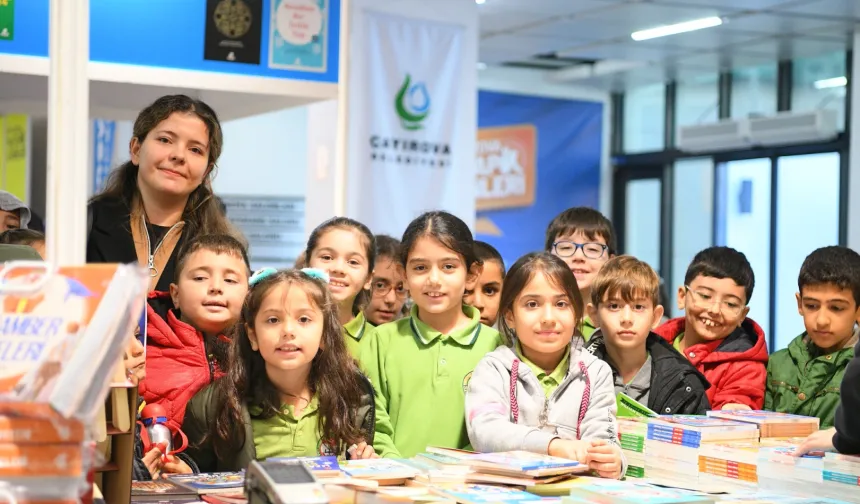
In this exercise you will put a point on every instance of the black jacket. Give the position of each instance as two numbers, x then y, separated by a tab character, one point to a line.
677	388
109	239
847	437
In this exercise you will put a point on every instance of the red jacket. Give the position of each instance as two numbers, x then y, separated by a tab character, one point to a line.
177	363
736	366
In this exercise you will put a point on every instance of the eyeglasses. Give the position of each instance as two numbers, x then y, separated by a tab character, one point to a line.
589	250
706	301
381	288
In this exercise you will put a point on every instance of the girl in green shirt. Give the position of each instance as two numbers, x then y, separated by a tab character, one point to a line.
346	250
291	388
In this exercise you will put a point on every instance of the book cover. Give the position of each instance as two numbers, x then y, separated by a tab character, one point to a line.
479	494
630	408
159	490
524	461
760	417
204	483
314	464
378	469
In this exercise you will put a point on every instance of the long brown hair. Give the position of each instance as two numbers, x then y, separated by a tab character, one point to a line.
334	375
522	272
203	214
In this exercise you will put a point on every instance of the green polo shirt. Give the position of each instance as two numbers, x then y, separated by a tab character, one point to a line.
678	343
587	328
354	333
420	377
551	381
284	435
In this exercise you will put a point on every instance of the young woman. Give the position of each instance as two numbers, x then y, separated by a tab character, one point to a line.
161	197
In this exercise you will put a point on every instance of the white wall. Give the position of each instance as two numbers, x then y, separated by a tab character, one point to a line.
535	83
265	155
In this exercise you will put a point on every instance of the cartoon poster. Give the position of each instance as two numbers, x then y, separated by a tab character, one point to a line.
299	35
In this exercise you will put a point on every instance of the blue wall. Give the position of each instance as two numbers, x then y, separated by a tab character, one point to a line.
159	33
569	147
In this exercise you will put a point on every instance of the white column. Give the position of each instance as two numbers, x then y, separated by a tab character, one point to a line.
68	132
854	152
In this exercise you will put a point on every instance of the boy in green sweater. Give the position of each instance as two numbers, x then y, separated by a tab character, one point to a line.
804	378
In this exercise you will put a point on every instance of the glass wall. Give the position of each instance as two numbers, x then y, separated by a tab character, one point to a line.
644	119
642	228
820	83
698	100
692	218
807	218
742	220
754	91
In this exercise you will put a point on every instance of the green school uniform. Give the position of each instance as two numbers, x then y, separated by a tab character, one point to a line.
355	332
678	344
549	382
285	434
587	328
420	377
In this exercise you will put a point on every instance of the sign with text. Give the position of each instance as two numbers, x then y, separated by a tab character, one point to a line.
273	225
299	34
505	167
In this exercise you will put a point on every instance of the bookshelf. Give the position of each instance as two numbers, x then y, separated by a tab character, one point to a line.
113	477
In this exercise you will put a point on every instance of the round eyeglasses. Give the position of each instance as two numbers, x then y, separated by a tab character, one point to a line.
381	288
706	300
589	250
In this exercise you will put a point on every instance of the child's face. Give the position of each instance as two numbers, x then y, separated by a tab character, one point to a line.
174	157
135	361
543	318
288	329
829	314
714	306
387	291
626	324
487	293
9	220
437	276
342	254
585	261
211	290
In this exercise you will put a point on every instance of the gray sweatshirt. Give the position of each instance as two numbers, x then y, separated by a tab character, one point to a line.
489	420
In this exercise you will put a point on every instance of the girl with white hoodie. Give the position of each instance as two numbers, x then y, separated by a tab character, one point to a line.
542	392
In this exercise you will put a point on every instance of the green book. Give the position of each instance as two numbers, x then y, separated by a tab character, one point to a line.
629	408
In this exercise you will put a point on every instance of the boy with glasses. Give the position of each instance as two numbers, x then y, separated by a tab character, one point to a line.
584	239
804	378
715	334
387	292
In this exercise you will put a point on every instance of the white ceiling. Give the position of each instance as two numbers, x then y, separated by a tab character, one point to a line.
754	32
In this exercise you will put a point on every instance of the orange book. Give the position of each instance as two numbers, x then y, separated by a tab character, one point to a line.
22	430
41	461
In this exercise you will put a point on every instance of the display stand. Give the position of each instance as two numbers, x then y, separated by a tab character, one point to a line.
113	477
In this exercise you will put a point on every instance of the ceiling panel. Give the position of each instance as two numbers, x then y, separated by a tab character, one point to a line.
773	24
627	50
501	21
525	46
734	4
828	8
545	7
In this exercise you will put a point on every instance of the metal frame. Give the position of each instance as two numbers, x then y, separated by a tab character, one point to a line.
661	164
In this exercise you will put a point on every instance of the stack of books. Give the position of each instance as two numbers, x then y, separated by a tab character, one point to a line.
674	442
772	424
633	436
841	475
780	471
732	466
597	491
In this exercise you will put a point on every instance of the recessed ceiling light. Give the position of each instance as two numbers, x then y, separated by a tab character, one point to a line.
480	2
482	65
831	83
674	29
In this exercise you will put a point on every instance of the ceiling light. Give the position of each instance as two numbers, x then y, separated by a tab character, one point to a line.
674	29
831	83
480	2
482	66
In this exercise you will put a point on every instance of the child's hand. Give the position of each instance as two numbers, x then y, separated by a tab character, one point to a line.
569	449
362	451
736	407
152	461
175	465
817	441
604	459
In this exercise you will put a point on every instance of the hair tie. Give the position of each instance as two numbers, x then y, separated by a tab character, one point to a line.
316	273
260	275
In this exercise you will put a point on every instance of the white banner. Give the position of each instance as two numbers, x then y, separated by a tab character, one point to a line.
410	149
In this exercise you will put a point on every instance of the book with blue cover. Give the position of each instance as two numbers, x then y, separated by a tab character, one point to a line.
320	466
485	494
524	463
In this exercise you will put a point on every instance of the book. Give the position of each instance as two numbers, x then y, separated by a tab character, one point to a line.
630	408
382	470
211	483
159	491
772	423
524	463
322	467
484	494
599	491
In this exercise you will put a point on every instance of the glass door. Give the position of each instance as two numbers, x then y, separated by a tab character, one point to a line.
638	213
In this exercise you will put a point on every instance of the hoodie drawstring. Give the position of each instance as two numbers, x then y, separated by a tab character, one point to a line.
583	405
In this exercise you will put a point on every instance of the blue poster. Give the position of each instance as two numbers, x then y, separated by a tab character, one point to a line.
299	34
536	157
